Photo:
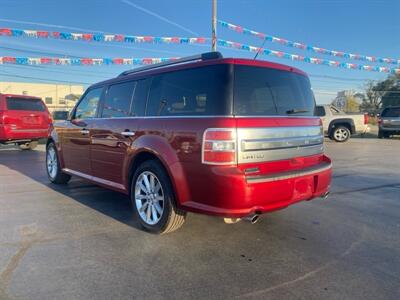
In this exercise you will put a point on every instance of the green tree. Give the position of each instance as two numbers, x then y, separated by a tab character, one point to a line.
352	105
379	94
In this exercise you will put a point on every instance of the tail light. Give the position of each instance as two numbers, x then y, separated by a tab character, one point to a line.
366	119
1	117
219	146
380	121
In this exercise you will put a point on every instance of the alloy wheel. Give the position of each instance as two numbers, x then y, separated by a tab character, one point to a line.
149	198
52	162
341	134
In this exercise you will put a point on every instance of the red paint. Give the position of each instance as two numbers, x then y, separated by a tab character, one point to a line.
178	144
22	124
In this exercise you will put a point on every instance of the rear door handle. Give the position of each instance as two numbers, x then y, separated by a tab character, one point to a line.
128	133
84	131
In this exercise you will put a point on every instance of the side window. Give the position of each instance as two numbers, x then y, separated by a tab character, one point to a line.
140	97
117	102
320	111
199	91
87	107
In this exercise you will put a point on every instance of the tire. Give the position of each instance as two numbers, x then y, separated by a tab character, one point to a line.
28	146
383	134
340	134
53	168
153	199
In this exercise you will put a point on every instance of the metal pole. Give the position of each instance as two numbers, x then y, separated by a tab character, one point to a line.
214	25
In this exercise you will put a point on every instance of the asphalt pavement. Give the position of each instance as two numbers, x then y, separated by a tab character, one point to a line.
79	241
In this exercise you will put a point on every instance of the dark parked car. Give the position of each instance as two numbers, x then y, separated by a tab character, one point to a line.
228	137
23	120
389	122
59	115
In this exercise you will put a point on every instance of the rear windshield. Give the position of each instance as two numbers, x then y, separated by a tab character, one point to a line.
391	112
262	91
31	104
199	91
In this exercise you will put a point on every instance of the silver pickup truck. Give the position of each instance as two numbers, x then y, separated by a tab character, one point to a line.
338	125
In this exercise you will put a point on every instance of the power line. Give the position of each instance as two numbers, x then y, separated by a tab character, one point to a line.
45	69
151	13
48	25
44	79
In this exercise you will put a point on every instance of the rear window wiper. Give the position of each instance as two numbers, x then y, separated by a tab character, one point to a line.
296	111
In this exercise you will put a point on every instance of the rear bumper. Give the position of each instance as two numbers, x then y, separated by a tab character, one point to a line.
9	134
238	195
390	129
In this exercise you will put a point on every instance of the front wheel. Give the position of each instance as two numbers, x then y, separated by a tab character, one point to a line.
153	199
53	168
341	134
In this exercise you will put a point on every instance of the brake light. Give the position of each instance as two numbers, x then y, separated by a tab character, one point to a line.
366	119
1	117
219	146
380	121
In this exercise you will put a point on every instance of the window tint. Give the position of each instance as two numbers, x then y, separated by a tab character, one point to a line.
199	91
15	103
118	100
320	111
87	108
263	91
140	97
391	112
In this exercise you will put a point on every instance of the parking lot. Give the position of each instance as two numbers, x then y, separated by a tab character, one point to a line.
79	240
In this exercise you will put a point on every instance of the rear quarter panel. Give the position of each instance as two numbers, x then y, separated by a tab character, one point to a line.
177	143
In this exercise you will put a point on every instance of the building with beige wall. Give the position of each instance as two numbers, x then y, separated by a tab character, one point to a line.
56	96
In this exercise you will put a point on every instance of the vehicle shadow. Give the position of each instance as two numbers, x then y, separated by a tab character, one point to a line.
113	204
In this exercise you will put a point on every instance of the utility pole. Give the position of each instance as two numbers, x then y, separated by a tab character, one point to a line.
214	25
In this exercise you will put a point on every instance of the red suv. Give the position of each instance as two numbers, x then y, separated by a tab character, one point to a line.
23	120
221	136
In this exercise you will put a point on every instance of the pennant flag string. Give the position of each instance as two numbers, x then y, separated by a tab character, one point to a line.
99	37
312	60
306	47
81	61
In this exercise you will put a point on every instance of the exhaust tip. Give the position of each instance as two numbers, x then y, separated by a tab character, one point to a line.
324	196
252	218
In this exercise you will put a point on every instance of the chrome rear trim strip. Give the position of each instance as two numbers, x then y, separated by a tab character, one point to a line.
289	175
281	143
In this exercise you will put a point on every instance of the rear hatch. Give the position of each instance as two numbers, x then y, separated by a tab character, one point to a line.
391	117
276	127
24	113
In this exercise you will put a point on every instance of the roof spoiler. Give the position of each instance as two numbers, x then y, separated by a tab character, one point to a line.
199	57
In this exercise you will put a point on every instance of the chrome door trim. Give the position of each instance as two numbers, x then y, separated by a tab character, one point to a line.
128	133
95	179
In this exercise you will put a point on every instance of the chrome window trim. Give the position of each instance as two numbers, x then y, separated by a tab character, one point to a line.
207	116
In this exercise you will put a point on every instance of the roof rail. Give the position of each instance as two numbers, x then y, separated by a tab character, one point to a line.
200	57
